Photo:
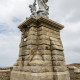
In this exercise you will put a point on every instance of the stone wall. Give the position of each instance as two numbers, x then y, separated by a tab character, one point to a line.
71	71
77	74
5	73
74	73
41	55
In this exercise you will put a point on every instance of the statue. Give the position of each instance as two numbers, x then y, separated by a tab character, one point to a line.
33	10
43	8
42	5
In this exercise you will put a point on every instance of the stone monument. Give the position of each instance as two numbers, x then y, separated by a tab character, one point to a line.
41	55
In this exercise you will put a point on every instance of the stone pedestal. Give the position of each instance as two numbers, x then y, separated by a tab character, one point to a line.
41	54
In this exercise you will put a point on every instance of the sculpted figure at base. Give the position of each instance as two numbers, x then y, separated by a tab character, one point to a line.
33	10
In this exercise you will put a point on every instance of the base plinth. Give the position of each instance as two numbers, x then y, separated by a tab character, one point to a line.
17	75
41	55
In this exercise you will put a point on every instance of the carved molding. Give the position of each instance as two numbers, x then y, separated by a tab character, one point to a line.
32	21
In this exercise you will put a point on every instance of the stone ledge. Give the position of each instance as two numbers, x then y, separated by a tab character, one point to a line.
36	21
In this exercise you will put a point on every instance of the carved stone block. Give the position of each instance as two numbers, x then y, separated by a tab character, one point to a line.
60	68
44	47
33	29
38	69
45	37
47	57
32	42
38	63
32	33
58	63
57	58
56	47
31	47
56	43
46	42
57	52
41	54
53	39
45	52
31	37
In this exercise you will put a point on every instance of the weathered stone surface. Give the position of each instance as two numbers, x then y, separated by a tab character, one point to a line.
45	52
17	68
32	76
32	42
77	73
57	52
42	33
23	48
38	69
37	63
56	47
61	75
33	63
23	44
58	63
28	57
57	58
29	52
23	52
31	37
41	54
56	32
47	42
54	39
45	33
44	29
55	36
45	37
32	33
31	47
72	73
47	57
60	68
77	76
19	63
5	74
20	58
33	29
43	76
48	30
44	47
37	57
17	75
32	52
56	43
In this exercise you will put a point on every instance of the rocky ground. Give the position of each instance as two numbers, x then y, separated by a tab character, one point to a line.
75	64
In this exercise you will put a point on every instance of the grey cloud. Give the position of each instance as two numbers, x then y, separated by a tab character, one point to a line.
71	41
75	17
61	9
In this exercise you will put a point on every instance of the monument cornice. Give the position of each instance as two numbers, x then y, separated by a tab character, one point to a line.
32	20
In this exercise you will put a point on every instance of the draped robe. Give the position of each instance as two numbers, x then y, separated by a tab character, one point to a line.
42	5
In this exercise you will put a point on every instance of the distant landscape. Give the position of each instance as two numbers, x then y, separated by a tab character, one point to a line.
75	64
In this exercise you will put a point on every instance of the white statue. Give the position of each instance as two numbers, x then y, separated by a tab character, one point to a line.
42	5
33	9
43	8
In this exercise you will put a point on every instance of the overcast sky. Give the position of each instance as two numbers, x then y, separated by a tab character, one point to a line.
14	12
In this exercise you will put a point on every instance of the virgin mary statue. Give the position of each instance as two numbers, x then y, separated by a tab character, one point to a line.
42	5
